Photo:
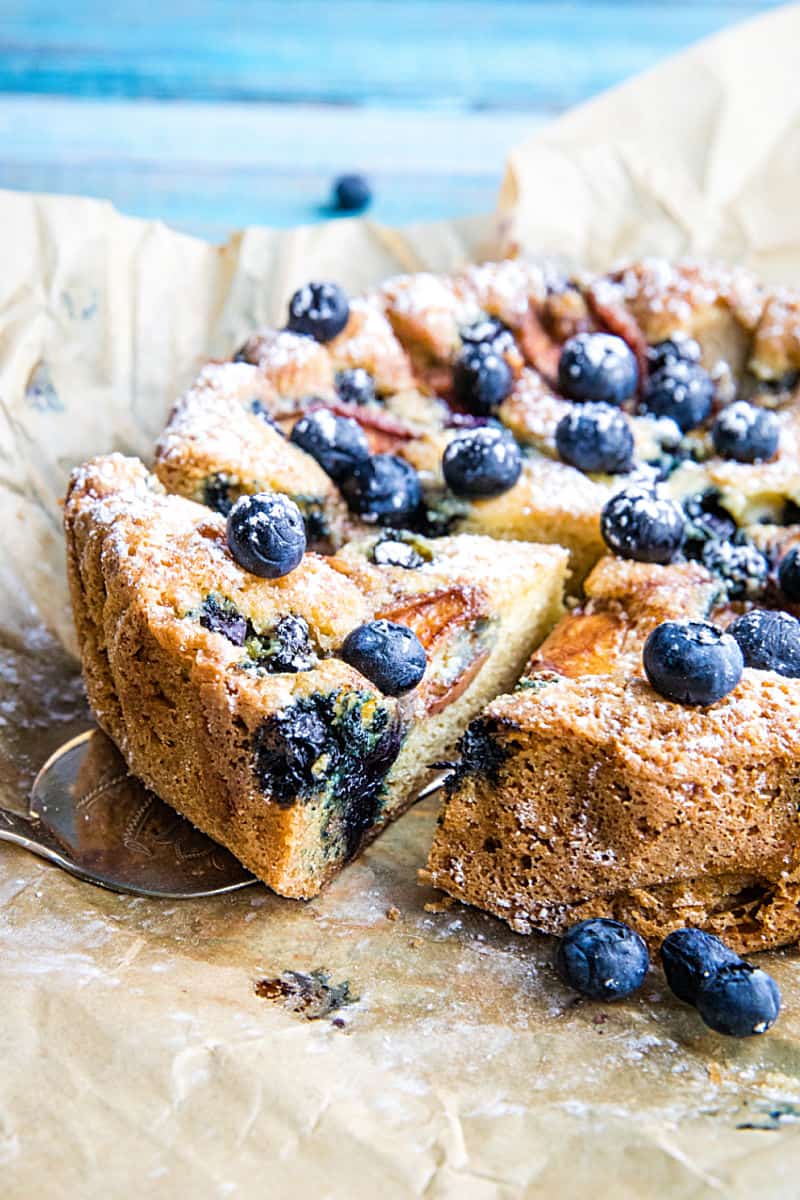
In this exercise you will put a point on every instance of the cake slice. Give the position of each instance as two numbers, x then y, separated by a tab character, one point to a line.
585	793
221	443
226	692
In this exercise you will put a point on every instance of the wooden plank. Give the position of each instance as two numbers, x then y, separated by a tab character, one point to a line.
209	168
536	55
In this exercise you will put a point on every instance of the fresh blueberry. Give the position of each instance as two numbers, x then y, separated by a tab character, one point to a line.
690	957
489	330
681	390
385	489
739	1000
596	437
602	959
338	444
482	462
740	566
691	662
390	655
351	193
597	366
266	534
678	348
319	310
355	386
769	641
481	378
745	433
789	575
706	521
395	553
640	523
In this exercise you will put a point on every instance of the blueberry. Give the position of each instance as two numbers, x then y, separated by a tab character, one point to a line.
266	534
385	489
390	655
706	521
739	1000
219	615
639	523
481	378
290	648
596	437
597	366
789	575
678	348
391	553
691	662
681	390
602	959
690	957
319	310
769	641
351	193
489	330
740	566
355	386
337	443
482	462
745	433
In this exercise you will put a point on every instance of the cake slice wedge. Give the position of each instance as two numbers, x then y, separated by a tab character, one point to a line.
585	793
226	693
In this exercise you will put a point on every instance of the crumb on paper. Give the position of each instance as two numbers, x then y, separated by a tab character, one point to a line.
393	913
714	1074
309	995
440	906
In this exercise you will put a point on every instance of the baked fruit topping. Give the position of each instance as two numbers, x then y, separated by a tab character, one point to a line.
644	524
682	391
596	438
745	433
318	310
769	641
384	489
355	386
789	575
390	655
482	378
266	534
338	444
692	662
597	366
481	462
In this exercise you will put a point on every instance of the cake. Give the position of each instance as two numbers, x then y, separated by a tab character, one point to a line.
584	793
450	443
227	694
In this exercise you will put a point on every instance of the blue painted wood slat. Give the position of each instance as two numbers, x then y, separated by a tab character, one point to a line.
211	114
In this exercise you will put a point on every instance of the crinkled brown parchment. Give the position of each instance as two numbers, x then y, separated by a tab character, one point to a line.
138	1057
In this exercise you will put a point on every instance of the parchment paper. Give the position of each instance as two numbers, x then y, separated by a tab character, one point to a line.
138	1059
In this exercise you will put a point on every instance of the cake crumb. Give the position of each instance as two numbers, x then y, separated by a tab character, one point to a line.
393	913
440	906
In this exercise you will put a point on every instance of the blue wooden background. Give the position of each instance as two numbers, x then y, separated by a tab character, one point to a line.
212	114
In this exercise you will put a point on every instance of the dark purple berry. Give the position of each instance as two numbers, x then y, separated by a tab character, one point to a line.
692	662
